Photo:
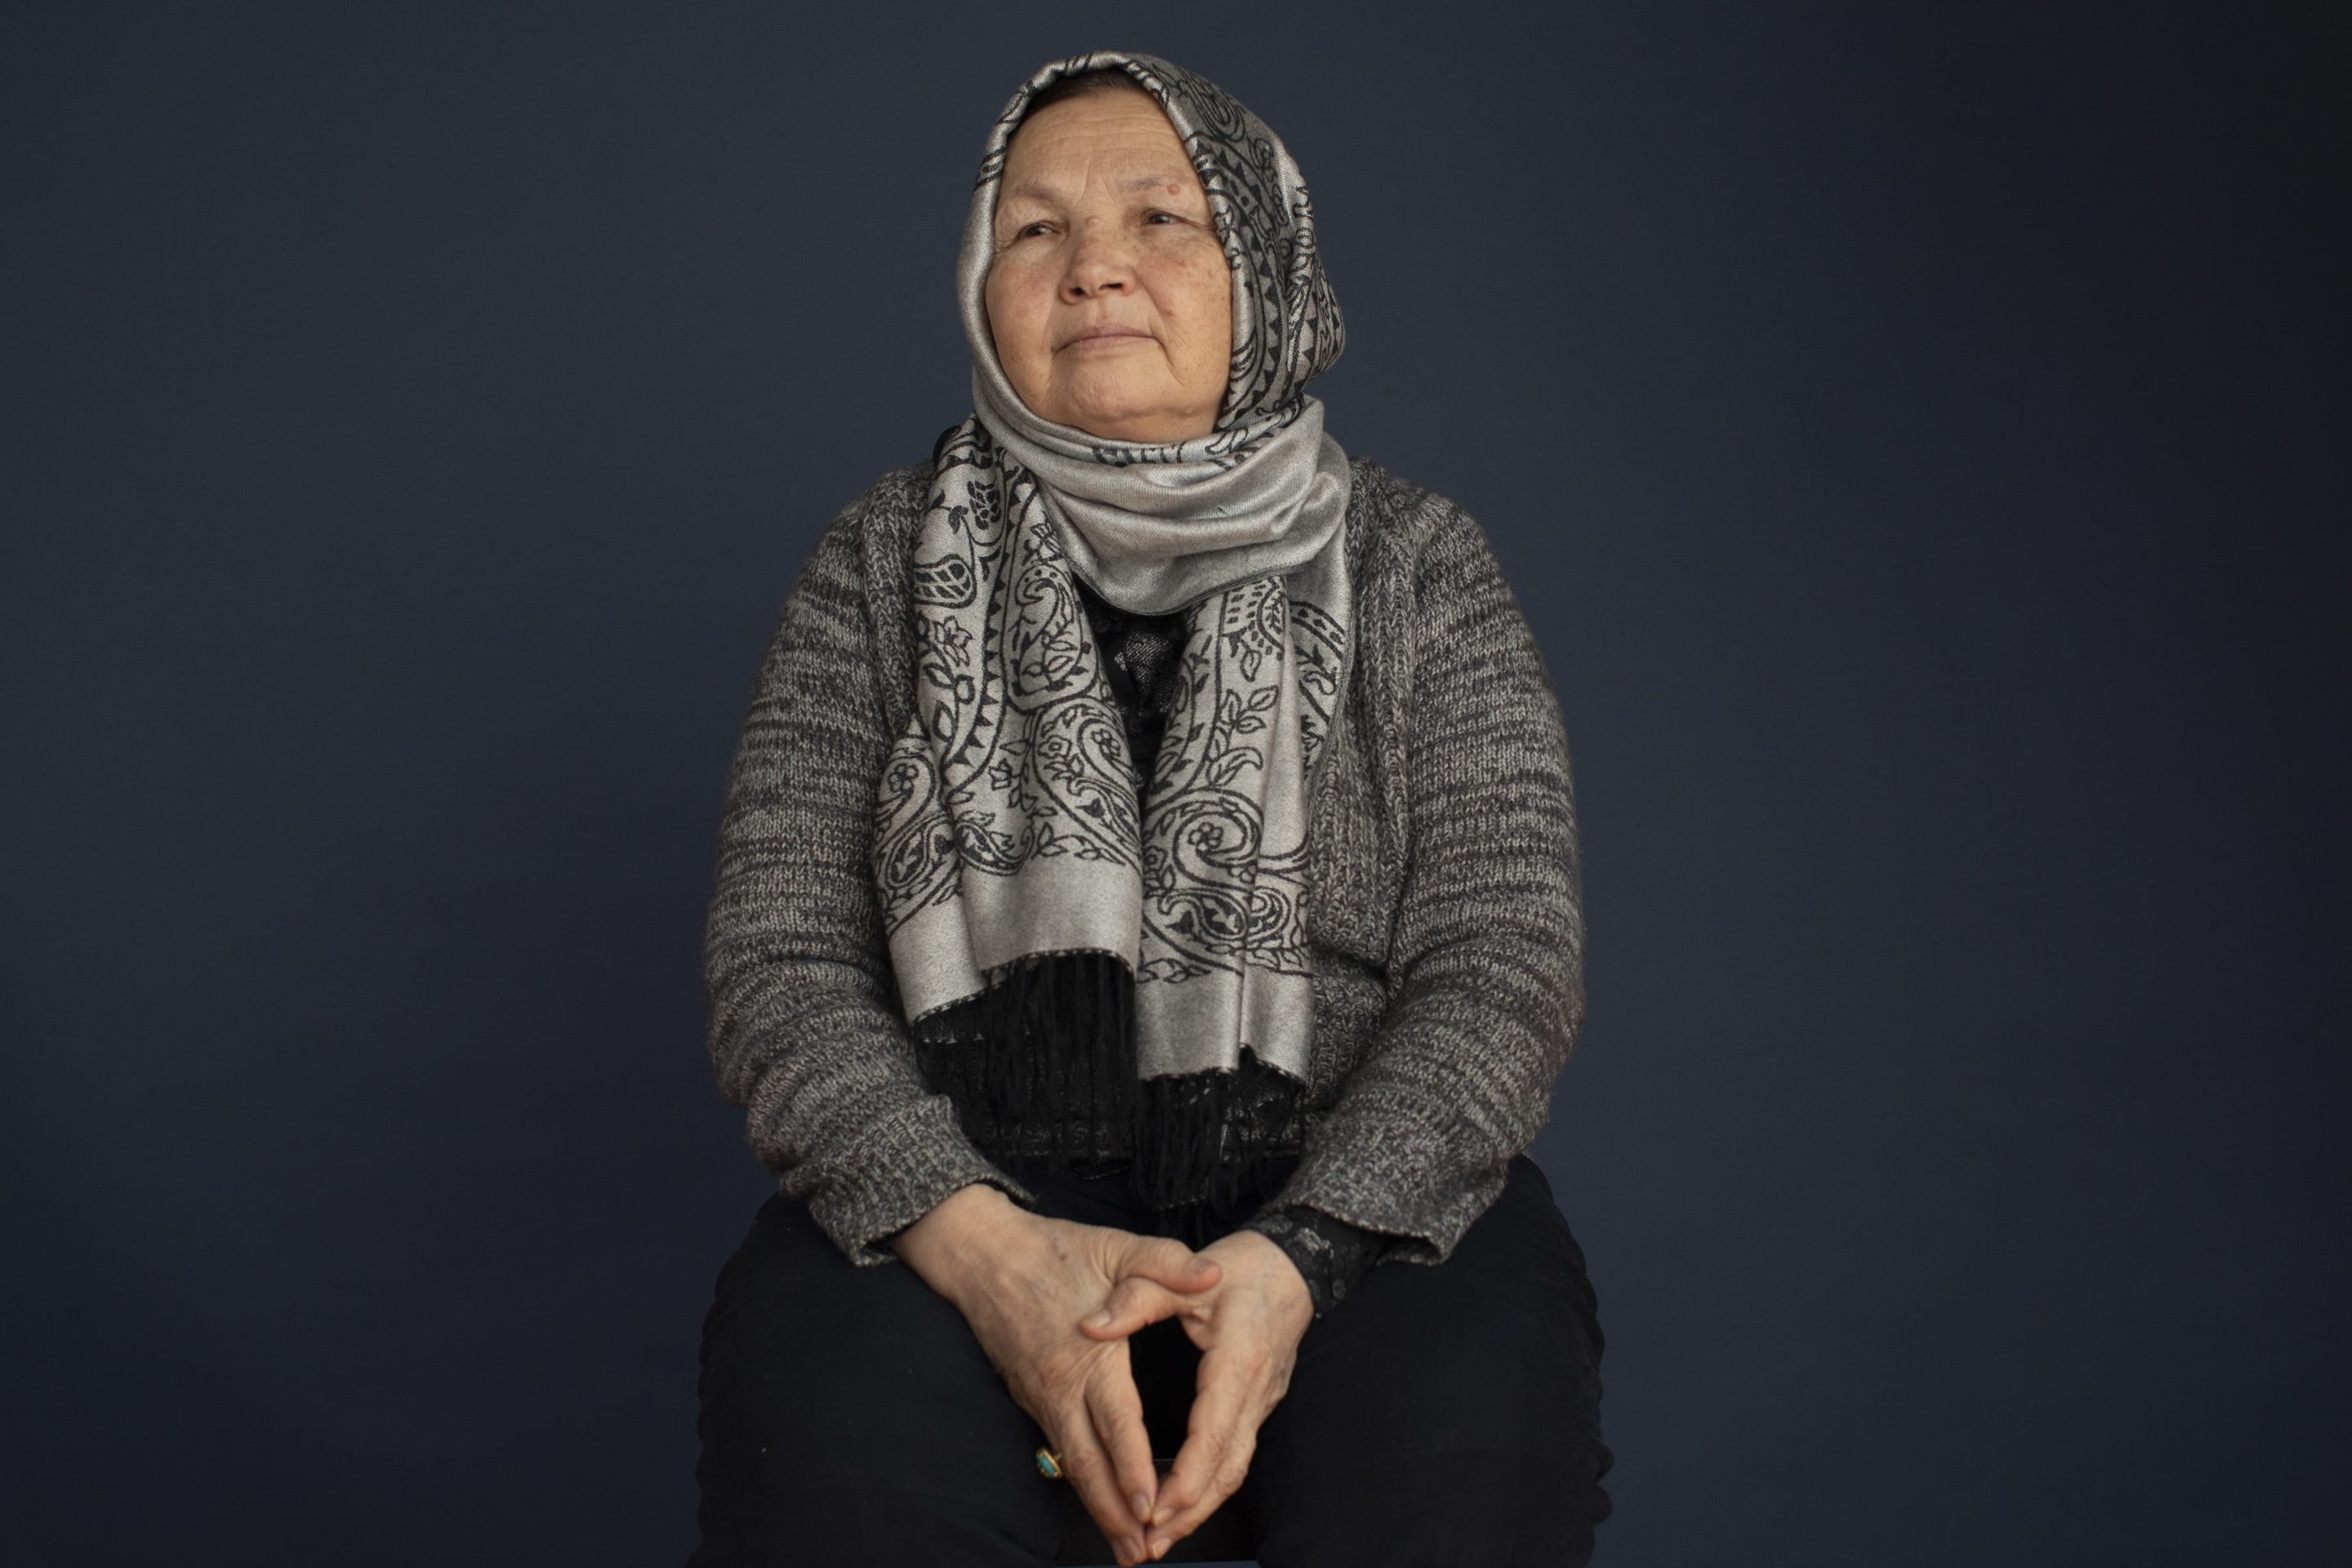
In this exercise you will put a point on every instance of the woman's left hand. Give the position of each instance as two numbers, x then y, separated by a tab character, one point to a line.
1247	1325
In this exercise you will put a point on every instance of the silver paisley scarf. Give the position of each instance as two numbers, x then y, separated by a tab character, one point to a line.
1010	836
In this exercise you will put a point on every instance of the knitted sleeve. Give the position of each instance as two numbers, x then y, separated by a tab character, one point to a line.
805	1031
1486	967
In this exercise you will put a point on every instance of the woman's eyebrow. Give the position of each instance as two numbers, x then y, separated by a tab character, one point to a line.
1145	182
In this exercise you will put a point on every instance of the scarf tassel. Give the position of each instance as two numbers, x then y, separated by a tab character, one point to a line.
1042	1064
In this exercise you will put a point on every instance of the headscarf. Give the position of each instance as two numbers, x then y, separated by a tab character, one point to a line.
1079	966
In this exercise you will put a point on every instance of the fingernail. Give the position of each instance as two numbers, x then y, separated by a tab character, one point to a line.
1098	1319
1143	1508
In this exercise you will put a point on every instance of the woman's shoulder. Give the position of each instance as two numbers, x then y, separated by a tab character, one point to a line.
1377	479
1381	490
872	535
888	513
1396	520
892	503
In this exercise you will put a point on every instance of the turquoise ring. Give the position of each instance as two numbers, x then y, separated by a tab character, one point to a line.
1048	1466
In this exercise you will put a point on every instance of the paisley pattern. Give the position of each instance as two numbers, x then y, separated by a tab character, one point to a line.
1009	822
1013	823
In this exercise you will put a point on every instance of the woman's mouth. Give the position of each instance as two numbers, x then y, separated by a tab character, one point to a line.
1108	338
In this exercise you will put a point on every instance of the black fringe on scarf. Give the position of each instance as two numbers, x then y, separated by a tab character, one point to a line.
1042	1065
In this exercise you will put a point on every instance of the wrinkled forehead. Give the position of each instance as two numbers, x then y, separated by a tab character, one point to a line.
1048	165
1148	164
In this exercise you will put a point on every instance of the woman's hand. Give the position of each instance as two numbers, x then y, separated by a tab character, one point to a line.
1023	1281
1248	1325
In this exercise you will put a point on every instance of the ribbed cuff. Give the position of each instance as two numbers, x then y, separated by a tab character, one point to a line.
896	1174
1392	1170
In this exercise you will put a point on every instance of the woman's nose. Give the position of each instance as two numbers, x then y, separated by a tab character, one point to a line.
1099	263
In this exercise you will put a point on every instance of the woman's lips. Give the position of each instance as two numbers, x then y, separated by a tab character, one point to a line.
1106	339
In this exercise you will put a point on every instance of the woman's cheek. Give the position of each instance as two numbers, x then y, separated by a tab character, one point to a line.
1019	301
1216	277
1205	286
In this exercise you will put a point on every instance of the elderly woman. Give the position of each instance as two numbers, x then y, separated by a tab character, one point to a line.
1148	910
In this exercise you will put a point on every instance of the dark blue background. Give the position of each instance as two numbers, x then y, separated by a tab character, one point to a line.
1900	427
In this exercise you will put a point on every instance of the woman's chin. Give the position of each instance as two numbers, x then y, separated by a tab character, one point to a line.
1123	416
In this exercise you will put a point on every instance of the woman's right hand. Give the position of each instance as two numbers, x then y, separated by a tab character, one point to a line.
1023	1281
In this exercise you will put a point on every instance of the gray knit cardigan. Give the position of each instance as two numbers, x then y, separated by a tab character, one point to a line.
1444	918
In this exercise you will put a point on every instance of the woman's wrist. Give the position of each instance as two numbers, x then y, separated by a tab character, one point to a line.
1329	1254
955	1235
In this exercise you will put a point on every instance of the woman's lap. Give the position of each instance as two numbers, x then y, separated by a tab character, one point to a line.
848	1415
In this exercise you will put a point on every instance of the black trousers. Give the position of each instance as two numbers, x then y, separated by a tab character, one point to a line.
1439	1415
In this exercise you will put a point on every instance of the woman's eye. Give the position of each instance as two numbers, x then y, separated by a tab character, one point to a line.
1150	216
1030	229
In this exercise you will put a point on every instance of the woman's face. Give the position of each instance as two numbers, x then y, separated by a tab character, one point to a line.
1109	299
